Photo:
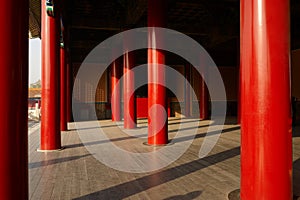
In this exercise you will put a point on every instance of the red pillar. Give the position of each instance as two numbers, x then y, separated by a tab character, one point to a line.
266	148
69	89
14	87
115	91
203	100
157	99
128	92
68	76
239	107
63	91
50	108
187	90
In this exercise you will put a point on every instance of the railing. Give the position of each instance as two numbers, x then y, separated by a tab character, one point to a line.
34	113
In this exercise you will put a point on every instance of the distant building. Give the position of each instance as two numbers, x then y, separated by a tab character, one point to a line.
34	92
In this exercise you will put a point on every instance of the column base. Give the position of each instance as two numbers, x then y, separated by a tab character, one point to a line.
158	145
53	150
234	195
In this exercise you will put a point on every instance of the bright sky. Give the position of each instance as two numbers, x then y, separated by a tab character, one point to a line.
34	60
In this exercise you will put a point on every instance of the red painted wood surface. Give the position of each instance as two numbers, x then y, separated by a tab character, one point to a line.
69	90
14	86
266	142
157	99
50	110
142	107
203	100
63	91
128	92
115	91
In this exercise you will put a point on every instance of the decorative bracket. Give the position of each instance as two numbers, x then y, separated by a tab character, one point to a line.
50	7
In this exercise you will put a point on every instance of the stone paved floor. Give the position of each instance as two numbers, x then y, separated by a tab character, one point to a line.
75	173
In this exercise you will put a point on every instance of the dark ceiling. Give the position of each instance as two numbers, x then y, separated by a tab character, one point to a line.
213	23
91	21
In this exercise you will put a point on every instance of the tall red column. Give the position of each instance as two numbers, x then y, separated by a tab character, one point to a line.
187	99
69	88
115	91
128	91
14	87
68	76
50	108
266	148
203	100
63	91
157	99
